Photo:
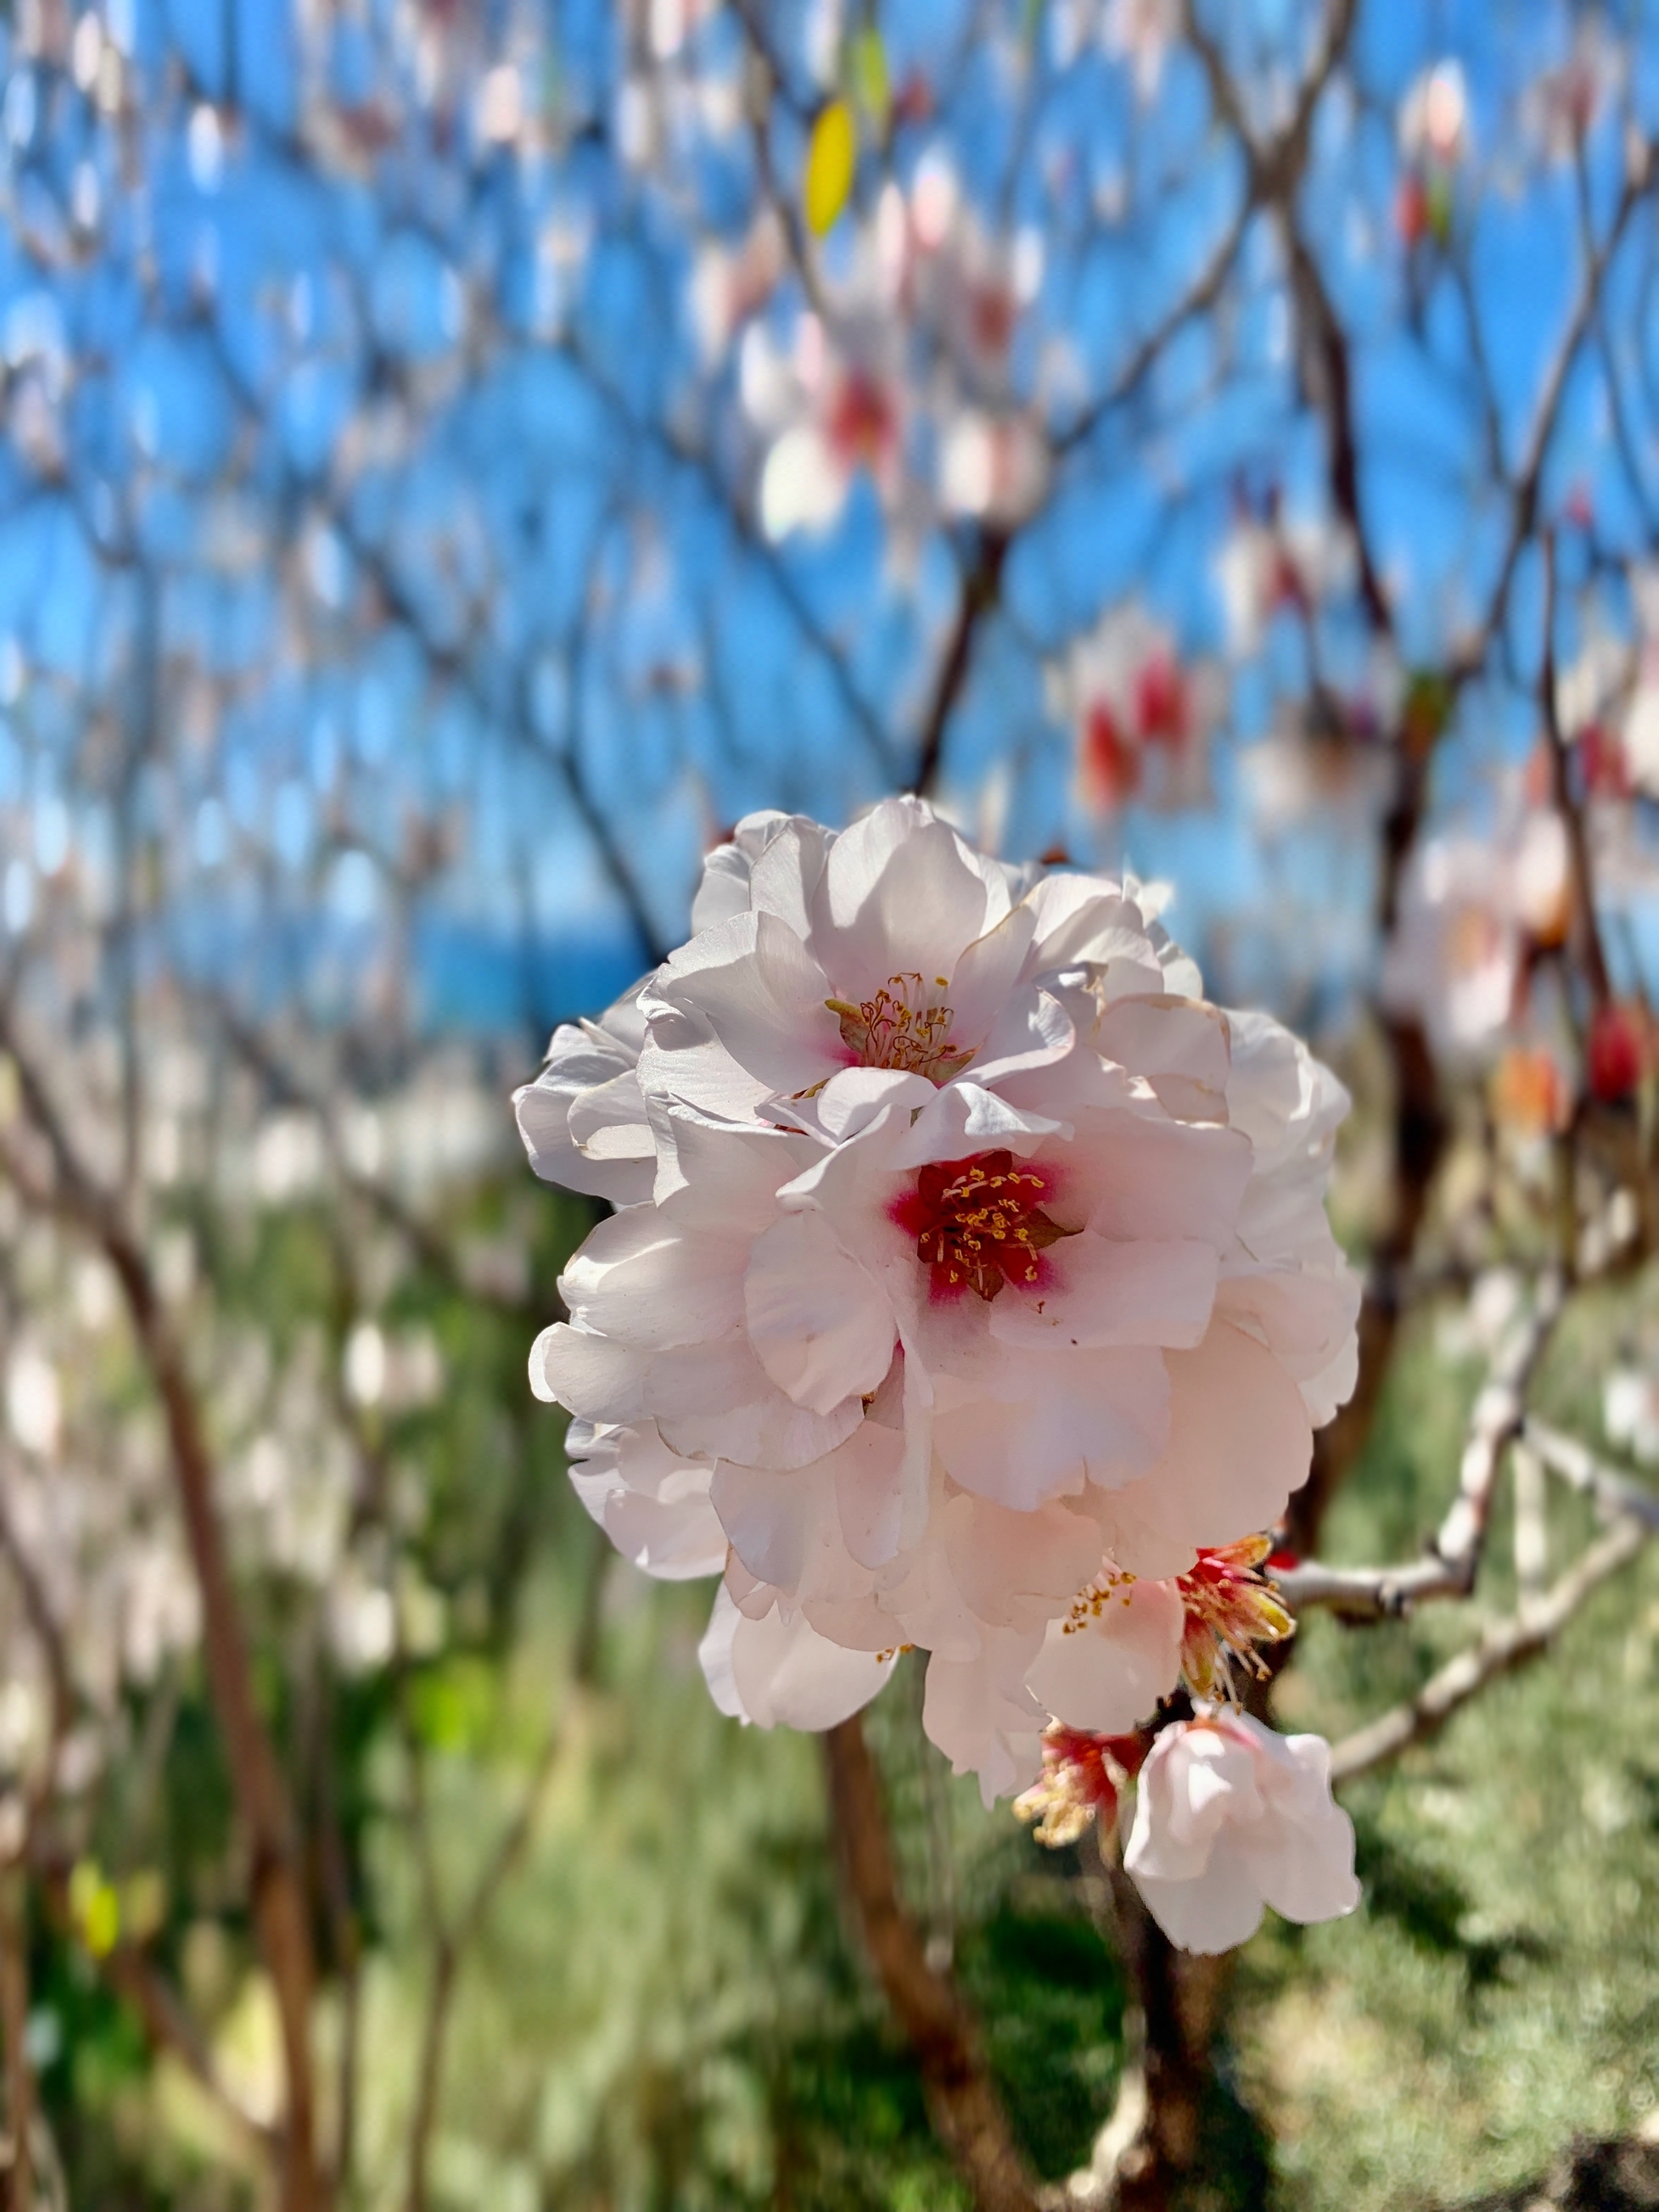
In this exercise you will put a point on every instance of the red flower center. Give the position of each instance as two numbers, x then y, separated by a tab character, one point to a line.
861	424
979	1223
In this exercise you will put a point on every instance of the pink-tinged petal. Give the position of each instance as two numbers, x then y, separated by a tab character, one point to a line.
1107	1672
1307	1321
1035	1036
858	1099
1086	920
1304	1868
714	1654
820	1323
589	1072
593	1376
980	1714
1152	1178
962	1119
610	1122
1101	1291
1180	1045
728	870
776	1671
661	1519
1217	1913
1239	1442
1017	1570
773	1519
1104	1418
1194	1774
788	874
872	1472
900	895
753	985
716	1400
982	979
639	1277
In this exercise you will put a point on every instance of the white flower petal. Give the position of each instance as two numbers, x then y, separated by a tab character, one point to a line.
821	1324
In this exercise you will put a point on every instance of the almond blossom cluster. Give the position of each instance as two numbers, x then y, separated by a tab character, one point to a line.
970	1289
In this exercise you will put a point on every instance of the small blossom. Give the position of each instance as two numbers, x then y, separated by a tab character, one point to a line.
1082	1780
1230	1817
1616	1051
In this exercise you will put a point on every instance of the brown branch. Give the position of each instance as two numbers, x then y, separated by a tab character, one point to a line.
1202	294
14	2039
1528	483
982	586
1452	1561
1507	1643
1589	929
280	1913
961	2098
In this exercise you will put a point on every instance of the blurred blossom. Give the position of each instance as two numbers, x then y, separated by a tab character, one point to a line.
1141	31
1475	1328
1140	716
1278	564
994	469
1630	1413
731	283
500	105
1562	105
34	1406
1434	116
1617	1051
1472	912
363	1620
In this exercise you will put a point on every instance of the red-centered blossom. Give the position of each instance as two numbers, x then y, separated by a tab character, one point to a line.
1227	1611
1111	762
979	1223
762	1371
1615	1053
1162	703
1604	762
860	422
1083	1775
1410	210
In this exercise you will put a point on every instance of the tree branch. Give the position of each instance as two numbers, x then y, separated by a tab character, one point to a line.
961	2098
1452	1561
280	1913
1506	1644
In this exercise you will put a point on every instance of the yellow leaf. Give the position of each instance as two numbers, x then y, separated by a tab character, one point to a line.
831	158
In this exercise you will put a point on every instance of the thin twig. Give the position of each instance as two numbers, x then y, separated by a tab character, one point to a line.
280	1912
1452	1561
1506	1644
1591	950
1573	1463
